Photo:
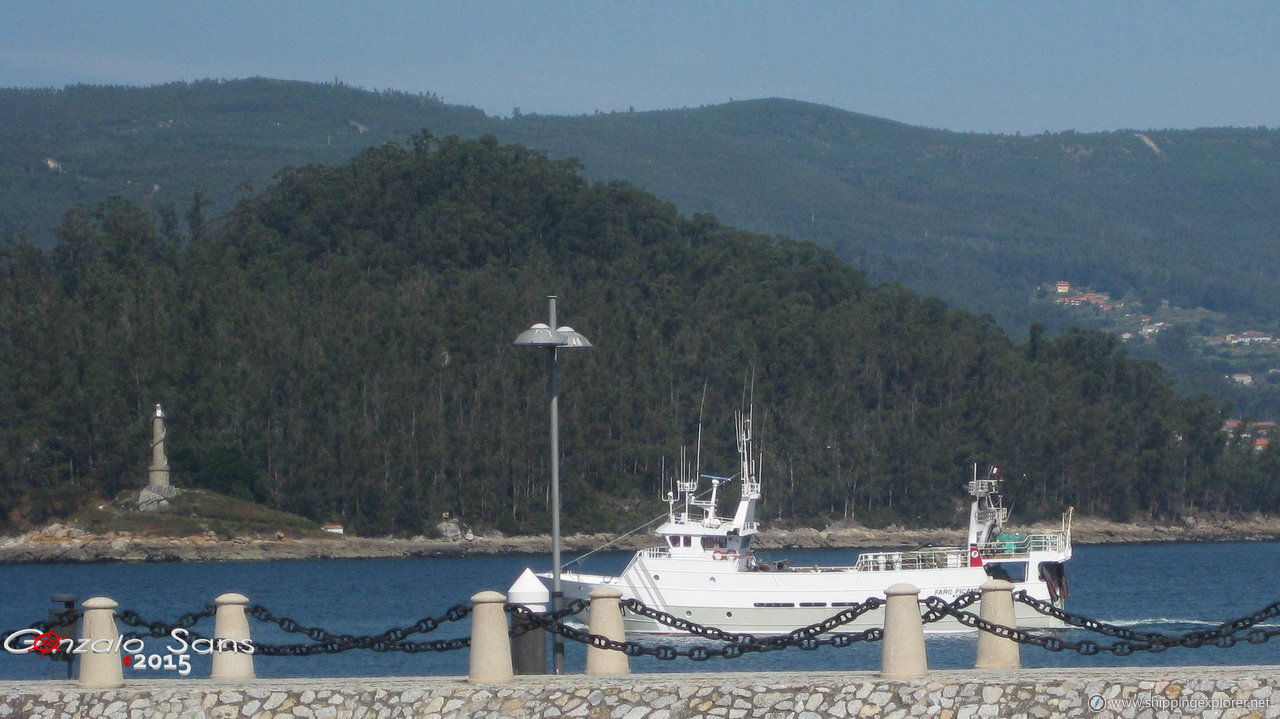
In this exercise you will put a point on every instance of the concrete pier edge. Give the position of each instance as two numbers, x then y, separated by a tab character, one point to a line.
1220	691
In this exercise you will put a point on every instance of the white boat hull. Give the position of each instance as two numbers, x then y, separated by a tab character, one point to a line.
779	602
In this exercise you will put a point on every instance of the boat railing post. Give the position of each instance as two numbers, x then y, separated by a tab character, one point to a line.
529	649
101	665
490	660
232	655
997	607
606	621
902	651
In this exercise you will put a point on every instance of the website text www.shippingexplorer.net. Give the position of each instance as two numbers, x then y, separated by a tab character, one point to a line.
1182	704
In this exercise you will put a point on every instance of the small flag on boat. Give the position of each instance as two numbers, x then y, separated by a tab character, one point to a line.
975	557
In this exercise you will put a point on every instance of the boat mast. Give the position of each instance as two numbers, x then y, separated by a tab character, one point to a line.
745	516
986	516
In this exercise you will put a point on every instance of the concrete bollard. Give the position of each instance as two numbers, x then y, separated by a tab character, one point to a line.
606	621
529	650
997	607
902	654
490	661
231	642
100	665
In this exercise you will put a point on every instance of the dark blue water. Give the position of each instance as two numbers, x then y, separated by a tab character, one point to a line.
1170	588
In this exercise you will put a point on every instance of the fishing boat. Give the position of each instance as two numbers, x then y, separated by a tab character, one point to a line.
705	570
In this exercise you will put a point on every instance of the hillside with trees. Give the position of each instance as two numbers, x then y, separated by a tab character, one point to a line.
339	345
1184	216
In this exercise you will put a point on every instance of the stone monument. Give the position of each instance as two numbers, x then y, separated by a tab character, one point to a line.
156	496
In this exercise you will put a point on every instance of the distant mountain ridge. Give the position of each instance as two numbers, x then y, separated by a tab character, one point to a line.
1187	216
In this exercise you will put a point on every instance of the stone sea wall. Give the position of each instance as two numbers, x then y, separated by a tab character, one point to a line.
1226	692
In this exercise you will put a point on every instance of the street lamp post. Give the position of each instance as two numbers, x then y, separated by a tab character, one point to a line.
540	335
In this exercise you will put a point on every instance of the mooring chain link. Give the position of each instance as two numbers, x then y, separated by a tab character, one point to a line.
1131	641
522	621
792	638
941	609
160	629
391	640
301	650
1224	635
735	645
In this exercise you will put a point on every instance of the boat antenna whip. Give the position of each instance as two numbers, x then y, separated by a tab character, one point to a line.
615	540
697	459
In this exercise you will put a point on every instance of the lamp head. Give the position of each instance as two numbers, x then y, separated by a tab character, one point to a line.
572	338
539	335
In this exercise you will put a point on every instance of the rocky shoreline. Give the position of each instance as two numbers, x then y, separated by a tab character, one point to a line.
58	544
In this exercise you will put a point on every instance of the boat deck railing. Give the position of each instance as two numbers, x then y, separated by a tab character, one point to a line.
1023	544
935	558
932	558
950	557
654	553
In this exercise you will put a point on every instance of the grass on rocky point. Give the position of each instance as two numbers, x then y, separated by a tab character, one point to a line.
193	512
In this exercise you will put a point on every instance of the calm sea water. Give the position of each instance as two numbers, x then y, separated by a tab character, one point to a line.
1171	588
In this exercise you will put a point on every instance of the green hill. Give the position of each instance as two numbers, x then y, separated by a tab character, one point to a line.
978	220
339	346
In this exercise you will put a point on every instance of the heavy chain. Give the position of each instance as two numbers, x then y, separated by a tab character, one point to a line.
732	644
1130	640
735	645
391	640
792	638
524	620
940	608
1222	635
160	629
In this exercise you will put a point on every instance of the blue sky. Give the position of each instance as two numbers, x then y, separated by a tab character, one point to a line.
1025	66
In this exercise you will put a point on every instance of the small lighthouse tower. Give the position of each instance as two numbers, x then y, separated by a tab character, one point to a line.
155	497
158	472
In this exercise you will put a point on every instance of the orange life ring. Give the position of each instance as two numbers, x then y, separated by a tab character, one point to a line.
718	555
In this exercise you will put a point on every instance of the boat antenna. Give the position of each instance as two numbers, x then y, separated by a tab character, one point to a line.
613	541
749	387
697	458
662	478
1022	482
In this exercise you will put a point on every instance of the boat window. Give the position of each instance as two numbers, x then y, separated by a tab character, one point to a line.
1008	571
673	541
713	542
688	541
